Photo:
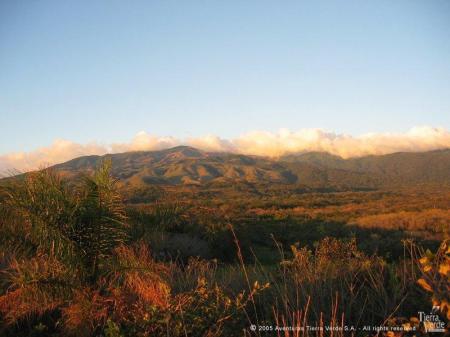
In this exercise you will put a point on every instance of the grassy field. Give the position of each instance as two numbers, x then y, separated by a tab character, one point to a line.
93	258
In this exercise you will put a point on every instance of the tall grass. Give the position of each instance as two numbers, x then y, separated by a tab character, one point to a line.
72	266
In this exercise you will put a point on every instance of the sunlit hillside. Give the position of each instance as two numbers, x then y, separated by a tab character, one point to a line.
182	242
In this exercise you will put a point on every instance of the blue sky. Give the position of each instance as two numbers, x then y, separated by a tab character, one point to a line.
104	70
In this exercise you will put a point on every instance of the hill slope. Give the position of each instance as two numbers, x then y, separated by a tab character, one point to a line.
189	166
396	168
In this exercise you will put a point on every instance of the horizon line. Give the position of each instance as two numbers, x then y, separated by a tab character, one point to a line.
259	143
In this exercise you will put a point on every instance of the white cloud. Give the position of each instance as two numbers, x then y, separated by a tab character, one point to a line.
212	143
306	140
256	142
144	141
61	150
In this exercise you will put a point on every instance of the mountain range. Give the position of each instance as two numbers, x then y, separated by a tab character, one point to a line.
185	165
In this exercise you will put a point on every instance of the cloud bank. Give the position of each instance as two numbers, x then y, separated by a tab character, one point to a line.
261	143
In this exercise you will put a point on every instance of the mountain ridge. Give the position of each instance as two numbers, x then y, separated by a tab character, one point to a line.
185	165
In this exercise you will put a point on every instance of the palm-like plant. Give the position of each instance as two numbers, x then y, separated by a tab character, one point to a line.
55	238
63	260
99	224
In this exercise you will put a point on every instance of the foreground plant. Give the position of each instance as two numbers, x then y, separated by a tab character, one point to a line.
56	239
435	269
69	269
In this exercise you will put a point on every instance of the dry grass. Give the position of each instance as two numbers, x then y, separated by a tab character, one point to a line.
67	264
429	220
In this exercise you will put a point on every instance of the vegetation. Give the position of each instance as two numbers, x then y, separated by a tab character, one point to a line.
86	257
187	166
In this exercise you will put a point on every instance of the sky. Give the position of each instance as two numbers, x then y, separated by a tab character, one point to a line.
100	73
